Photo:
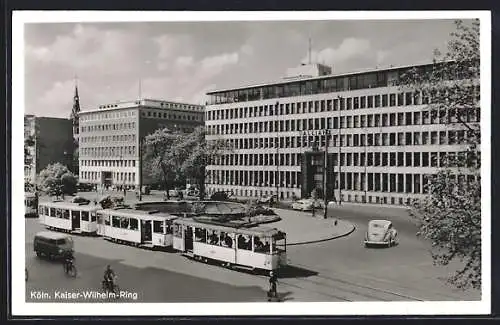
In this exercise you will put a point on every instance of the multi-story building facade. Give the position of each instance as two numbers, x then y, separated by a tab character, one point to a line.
110	138
383	143
52	143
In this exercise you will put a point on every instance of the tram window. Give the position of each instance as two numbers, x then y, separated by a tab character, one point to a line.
124	223
177	230
226	240
85	216
245	242
93	217
214	237
115	221
169	229
261	246
200	235
134	224
100	218
53	212
106	220
65	214
158	227
278	243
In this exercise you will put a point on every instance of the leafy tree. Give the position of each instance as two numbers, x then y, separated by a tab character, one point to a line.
56	180
450	215
197	153
161	161
176	157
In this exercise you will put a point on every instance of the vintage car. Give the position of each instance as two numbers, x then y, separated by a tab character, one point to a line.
381	232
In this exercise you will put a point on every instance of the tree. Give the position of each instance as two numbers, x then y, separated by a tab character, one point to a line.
57	180
197	153
450	215
160	159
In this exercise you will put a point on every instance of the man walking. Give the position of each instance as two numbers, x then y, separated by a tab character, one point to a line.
273	290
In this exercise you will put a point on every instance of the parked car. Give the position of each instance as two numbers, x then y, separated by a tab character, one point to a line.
381	232
270	199
79	199
303	205
84	187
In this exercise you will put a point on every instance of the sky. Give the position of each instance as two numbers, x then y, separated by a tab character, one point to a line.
182	61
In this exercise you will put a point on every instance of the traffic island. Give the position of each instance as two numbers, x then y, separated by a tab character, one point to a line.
302	228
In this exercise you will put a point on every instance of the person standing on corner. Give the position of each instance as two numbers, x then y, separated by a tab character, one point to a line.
273	290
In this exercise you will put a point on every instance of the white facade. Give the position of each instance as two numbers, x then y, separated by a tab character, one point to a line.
390	142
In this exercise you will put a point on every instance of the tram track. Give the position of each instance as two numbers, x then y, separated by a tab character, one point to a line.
354	291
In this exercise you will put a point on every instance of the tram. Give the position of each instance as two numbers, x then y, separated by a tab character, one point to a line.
256	248
78	218
148	229
30	204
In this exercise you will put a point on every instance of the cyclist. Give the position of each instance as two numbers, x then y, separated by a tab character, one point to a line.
109	277
273	280
68	260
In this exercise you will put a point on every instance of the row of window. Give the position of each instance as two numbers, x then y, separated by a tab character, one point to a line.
96	177
327	105
347	122
108	138
159	227
185	117
108	151
108	127
393	159
162	105
350	181
356	140
106	115
108	163
66	213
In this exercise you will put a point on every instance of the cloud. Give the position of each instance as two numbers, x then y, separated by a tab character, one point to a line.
59	95
214	64
349	49
88	47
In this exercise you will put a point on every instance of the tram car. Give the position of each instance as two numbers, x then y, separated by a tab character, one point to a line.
147	229
77	218
30	204
256	248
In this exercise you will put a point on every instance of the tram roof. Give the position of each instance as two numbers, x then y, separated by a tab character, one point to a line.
254	231
152	215
71	205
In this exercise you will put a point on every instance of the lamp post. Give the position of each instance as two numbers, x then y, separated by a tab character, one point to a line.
277	160
340	150
325	174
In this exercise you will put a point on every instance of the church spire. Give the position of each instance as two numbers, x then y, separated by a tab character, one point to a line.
76	102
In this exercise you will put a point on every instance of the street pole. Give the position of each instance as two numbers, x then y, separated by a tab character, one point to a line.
340	151
276	178
140	168
325	174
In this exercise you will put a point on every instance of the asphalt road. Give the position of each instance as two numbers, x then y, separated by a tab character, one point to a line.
138	283
353	272
336	270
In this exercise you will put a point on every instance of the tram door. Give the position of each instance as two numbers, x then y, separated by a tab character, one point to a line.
146	231
188	239
75	220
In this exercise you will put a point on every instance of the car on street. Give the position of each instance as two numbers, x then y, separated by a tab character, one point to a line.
381	232
52	244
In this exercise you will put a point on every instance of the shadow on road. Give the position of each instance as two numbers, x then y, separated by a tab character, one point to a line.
291	271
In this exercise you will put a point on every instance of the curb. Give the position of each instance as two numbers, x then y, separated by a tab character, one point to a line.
353	228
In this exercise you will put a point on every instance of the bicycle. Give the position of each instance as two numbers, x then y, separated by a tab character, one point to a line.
115	289
70	269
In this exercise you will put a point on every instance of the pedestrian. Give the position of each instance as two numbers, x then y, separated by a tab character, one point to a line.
313	211
273	282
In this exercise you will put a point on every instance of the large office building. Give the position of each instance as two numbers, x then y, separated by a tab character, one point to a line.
51	143
382	143
110	138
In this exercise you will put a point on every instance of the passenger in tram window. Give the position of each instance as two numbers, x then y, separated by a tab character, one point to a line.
241	242
228	241
214	238
169	229
200	235
258	245
222	239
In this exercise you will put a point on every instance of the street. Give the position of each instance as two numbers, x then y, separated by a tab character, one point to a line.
335	270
